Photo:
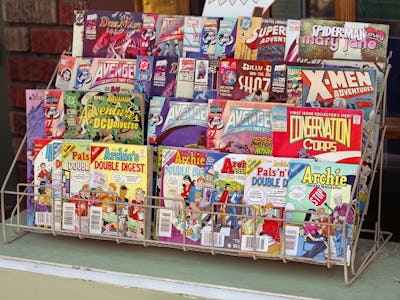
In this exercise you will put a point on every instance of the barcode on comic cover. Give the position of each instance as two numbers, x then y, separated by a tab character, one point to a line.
58	212
95	222
206	239
291	239
247	243
43	218
68	216
164	224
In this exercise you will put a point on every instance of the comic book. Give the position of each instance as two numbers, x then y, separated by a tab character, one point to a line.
182	183
294	84
247	80
47	164
185	77
148	34
205	79
169	35
323	134
177	122
54	114
223	194
292	40
111	34
320	197
107	117
164	76
77	33
330	39
105	75
226	38
209	37
278	85
75	185
144	77
240	127
35	124
66	72
272	40
192	28
247	37
121	176
265	190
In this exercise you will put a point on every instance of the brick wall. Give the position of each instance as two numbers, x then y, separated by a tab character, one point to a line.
35	34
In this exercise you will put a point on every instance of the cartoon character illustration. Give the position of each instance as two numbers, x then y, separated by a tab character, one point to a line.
314	235
235	199
270	227
189	190
136	212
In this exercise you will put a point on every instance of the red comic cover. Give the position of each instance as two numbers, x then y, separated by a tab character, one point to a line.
323	134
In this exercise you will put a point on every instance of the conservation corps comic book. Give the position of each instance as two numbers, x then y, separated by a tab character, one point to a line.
320	192
178	122
330	39
99	116
323	134
111	34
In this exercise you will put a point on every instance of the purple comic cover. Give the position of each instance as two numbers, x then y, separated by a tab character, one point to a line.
112	34
165	70
35	122
177	122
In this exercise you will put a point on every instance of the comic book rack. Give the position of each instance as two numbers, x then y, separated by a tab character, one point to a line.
353	265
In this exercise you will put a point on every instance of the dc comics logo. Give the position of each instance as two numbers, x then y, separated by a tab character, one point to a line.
246	23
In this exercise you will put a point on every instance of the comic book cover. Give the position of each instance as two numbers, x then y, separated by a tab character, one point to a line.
35	124
240	127
182	186
148	34
330	39
226	38
178	122
192	28
265	190
294	84
272	40
185	77
321	195
169	35
247	80
278	85
209	37
247	37
77	33
205	78
120	174
223	195
111	34
107	117
164	76
45	151
292	40
323	134
66	72
75	185
106	75
54	114
144	77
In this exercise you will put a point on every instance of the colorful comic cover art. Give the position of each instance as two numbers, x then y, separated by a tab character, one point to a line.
106	117
329	39
182	189
185	77
320	223
226	38
164	76
272	40
54	114
169	36
112	34
66	72
77	33
148	34
119	175
193	26
292	40
278	86
294	84
35	124
247	37
178	122
106	75
209	37
247	80
205	78
240	127
75	185
323	134
224	187
144	77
